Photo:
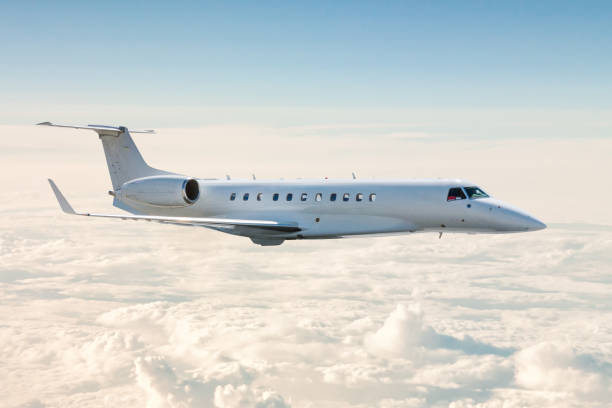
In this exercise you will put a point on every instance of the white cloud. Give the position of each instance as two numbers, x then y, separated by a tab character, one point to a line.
408	337
244	397
164	387
155	376
356	374
404	334
404	403
467	372
557	367
108	355
494	403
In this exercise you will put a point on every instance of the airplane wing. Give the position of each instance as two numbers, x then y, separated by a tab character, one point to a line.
225	223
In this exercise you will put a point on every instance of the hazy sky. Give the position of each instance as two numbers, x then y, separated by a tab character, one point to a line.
513	96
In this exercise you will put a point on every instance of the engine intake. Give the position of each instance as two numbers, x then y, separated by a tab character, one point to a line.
191	191
161	191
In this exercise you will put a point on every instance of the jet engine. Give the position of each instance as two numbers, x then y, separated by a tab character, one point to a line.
161	191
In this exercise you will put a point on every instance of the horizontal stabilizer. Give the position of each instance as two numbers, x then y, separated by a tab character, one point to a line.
263	225
100	129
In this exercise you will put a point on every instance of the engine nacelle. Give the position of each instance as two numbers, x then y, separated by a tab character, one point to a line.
161	191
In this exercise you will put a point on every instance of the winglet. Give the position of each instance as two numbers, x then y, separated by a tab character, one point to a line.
66	207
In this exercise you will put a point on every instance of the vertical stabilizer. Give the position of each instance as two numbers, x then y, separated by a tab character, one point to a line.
124	161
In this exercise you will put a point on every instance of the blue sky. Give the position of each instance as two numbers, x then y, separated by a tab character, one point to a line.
316	54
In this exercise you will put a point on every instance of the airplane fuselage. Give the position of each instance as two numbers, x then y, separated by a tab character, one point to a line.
335	208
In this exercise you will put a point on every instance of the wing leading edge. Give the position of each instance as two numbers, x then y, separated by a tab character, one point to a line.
262	225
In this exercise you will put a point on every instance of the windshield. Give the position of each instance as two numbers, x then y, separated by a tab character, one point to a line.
475	192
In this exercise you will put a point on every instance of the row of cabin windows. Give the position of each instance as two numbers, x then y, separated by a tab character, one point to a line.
304	197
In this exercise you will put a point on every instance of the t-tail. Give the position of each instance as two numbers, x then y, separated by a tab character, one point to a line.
137	187
124	161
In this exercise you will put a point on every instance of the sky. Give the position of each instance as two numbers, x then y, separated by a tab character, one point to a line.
512	96
474	54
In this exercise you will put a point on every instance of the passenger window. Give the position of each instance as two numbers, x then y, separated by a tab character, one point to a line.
304	197
275	197
245	197
346	197
318	197
455	194
259	196
233	197
289	197
373	197
332	197
359	197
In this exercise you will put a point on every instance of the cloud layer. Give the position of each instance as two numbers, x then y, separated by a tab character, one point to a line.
110	313
496	321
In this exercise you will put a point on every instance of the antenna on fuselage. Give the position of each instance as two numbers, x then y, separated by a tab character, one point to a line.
254	178
227	177
354	176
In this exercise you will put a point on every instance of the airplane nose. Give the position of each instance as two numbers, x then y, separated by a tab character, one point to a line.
520	221
532	224
503	217
510	218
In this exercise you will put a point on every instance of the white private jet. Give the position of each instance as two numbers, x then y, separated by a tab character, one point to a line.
272	211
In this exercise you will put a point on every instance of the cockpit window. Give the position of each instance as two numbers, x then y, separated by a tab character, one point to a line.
475	192
455	193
